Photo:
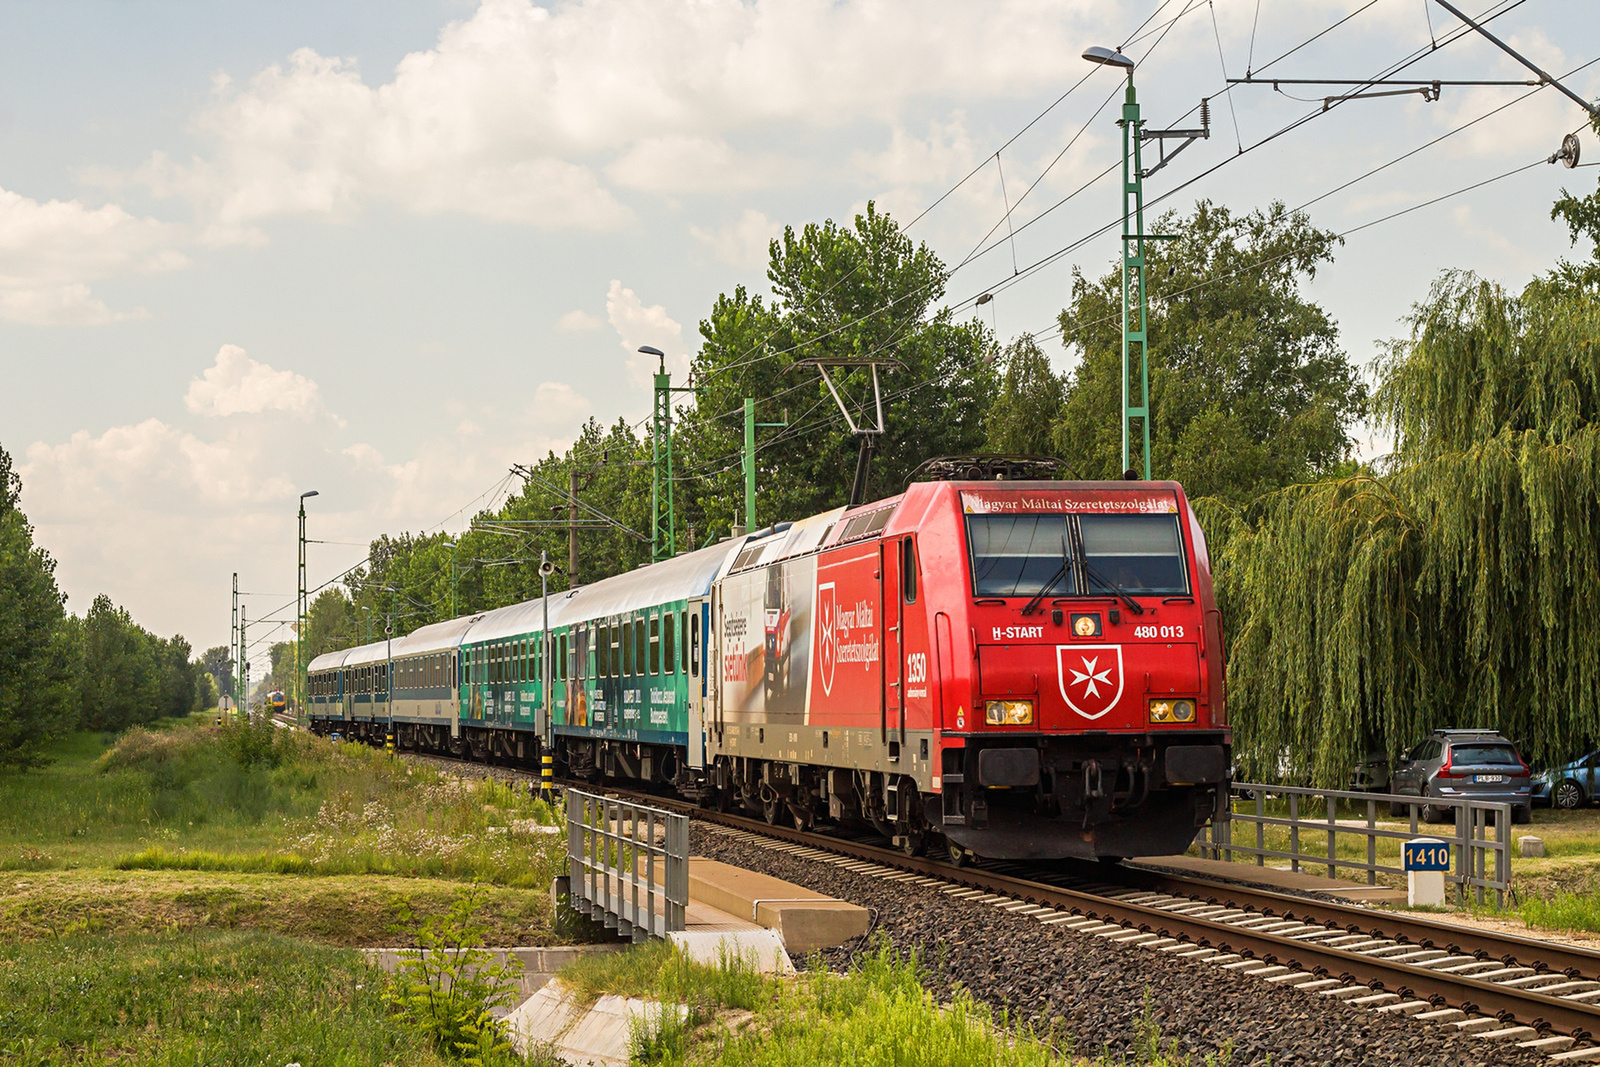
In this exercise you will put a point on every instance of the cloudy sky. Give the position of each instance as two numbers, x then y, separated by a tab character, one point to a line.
384	250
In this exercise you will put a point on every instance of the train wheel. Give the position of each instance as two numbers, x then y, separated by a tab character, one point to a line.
912	844
956	855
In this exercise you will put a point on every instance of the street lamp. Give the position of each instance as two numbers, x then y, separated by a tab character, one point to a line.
1134	322
300	624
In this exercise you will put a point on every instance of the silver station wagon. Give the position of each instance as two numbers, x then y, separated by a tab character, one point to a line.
1462	765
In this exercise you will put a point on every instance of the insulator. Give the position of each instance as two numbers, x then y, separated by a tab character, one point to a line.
1205	114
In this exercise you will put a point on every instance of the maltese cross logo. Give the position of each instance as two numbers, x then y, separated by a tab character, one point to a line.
1090	677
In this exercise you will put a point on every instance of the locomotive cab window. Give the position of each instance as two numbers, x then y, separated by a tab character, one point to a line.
1133	554
1019	555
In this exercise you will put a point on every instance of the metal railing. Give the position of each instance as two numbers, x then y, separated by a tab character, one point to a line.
1474	852
628	865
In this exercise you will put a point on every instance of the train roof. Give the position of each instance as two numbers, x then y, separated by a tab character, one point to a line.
526	617
437	636
677	578
329	660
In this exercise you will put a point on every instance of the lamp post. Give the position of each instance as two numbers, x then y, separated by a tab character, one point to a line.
1134	323
300	621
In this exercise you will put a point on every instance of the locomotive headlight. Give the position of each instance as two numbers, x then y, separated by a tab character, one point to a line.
1171	711
1008	712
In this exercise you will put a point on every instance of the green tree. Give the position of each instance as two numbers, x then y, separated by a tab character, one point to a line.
1460	588
859	292
217	662
35	645
1249	387
1023	417
120	675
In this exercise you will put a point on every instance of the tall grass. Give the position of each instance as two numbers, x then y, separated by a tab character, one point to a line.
185	999
256	799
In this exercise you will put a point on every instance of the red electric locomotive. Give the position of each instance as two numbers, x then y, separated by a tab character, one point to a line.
1012	669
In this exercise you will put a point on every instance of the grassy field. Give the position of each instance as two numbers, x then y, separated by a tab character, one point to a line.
192	826
191	895
199	997
1558	892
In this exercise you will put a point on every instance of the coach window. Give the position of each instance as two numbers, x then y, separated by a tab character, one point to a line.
669	647
684	644
655	644
564	663
694	651
639	645
626	637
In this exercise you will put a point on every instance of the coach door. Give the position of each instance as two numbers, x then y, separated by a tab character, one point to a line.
894	706
692	651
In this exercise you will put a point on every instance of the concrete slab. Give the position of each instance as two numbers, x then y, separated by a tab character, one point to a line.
539	964
1302	881
600	1035
759	948
804	918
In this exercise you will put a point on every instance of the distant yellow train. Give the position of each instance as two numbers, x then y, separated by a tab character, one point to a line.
276	702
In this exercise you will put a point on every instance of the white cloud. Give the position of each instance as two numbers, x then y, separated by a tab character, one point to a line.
699	165
579	321
742	243
158	515
235	384
508	116
638	325
50	251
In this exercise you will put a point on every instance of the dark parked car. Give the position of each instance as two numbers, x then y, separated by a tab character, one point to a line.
1461	765
1571	785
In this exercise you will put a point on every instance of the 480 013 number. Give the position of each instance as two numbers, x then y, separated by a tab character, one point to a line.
1158	631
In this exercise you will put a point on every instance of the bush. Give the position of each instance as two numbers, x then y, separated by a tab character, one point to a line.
446	990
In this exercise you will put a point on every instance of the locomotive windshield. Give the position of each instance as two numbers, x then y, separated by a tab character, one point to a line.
1076	555
1133	554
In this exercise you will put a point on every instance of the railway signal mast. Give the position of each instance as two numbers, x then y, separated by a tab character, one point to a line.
1135	306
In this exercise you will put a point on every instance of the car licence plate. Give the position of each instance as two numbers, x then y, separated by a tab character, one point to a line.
1486	778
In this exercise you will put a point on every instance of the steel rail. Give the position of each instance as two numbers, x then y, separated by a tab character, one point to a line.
1419	930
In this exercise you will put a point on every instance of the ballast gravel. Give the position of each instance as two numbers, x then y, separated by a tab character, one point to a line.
1097	991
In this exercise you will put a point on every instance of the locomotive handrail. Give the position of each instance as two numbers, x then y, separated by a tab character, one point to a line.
1473	848
613	876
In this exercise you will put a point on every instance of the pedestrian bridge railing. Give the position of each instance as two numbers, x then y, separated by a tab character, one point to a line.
1305	827
627	865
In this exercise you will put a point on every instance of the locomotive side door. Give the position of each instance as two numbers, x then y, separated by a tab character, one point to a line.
893	723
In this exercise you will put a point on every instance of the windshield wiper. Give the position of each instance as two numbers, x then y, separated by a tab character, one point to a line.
1061	572
1095	576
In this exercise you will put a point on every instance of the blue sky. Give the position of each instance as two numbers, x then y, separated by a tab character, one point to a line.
385	250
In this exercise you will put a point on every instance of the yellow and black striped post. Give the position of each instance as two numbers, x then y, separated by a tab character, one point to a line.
388	743
547	775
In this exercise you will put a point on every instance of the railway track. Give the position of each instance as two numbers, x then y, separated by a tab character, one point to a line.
1537	995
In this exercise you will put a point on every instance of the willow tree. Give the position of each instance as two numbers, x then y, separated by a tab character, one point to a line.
1460	587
